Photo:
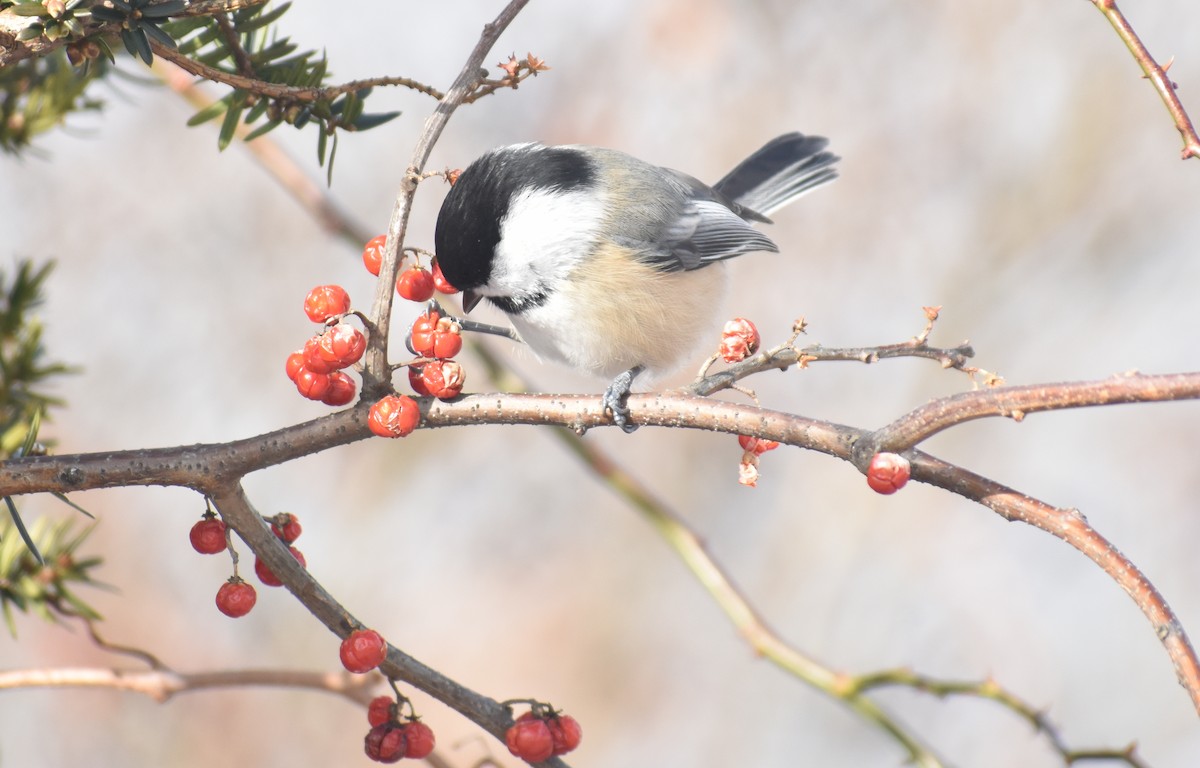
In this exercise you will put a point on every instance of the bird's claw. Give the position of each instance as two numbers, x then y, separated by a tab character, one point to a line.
616	396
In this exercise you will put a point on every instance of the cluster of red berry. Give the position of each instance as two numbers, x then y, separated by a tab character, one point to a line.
739	340
542	733
236	597
415	283
316	368
390	738
433	338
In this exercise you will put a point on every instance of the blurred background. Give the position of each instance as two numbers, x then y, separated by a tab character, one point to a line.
1003	160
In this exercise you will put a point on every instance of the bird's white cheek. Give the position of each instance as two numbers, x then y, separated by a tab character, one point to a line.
543	236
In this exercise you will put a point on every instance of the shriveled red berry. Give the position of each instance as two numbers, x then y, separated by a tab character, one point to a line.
565	732
415	284
373	254
386	743
756	445
435	336
439	280
268	577
295	362
341	346
417	381
235	598
420	739
443	379
394	416
208	536
748	471
325	302
363	651
739	340
312	357
312	385
341	389
530	739
286	527
382	709
888	472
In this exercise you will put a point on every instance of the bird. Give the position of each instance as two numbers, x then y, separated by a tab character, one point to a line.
607	263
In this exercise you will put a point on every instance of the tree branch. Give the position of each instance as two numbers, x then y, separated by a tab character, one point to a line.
377	374
230	500
211	468
163	684
1155	74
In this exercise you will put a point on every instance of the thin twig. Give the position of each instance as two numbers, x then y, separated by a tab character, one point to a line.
1016	402
1155	73
279	90
990	690
162	684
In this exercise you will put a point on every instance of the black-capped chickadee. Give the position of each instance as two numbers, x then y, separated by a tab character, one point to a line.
604	262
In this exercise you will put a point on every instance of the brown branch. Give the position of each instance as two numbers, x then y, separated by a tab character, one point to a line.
1155	73
279	90
785	356
1015	402
376	371
162	684
489	714
989	689
1072	527
210	468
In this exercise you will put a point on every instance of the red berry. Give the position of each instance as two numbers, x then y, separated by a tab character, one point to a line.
439	280
268	577
888	472
341	389
341	346
381	710
443	379
286	527
394	416
565	732
756	445
420	739
415	284
208	536
739	340
326	301
385	743
363	651
312	357
530	739
435	336
295	362
312	385
235	598
373	254
416	381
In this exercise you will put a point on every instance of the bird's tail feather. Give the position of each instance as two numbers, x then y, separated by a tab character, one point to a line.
781	171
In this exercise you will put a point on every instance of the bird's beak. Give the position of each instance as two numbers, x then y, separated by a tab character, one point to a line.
470	299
